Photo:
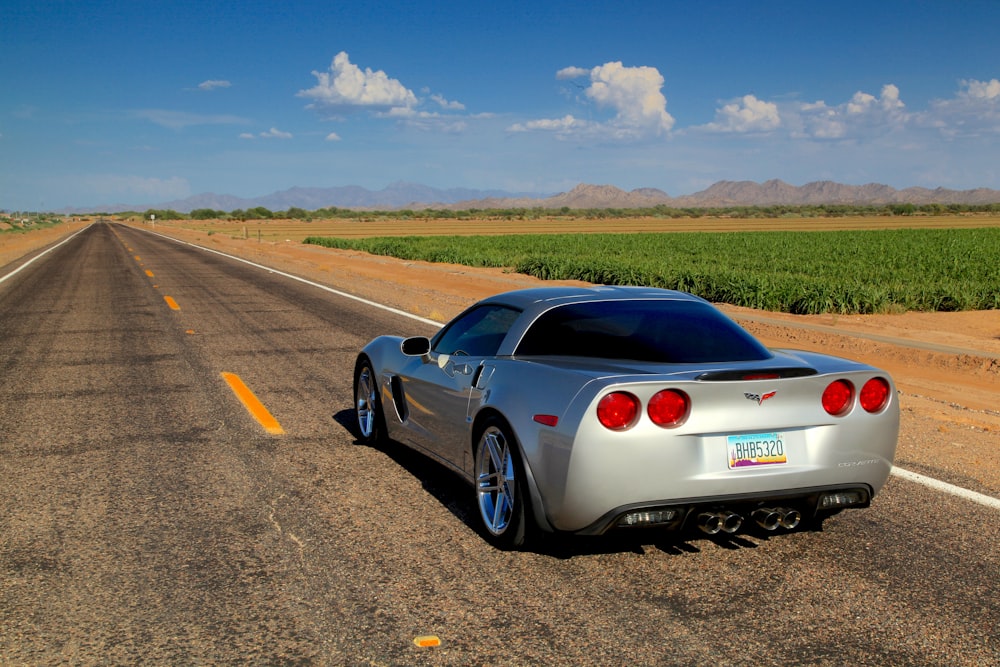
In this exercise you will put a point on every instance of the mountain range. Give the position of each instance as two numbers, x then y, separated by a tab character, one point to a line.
403	195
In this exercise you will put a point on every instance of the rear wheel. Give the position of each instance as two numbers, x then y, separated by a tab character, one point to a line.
501	492
368	404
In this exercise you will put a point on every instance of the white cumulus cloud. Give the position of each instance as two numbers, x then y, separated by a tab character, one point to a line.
634	94
748	114
448	104
820	121
572	73
862	116
981	90
346	87
887	102
973	112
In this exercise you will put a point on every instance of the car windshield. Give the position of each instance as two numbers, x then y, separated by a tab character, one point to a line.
654	330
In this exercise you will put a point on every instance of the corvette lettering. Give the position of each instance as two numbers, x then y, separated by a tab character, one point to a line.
760	398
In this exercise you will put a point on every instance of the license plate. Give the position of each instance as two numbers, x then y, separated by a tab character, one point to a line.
756	449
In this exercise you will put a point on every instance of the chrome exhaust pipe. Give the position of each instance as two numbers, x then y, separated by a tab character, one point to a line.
766	518
709	523
790	518
730	522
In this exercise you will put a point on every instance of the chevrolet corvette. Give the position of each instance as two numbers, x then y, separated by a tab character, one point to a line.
583	410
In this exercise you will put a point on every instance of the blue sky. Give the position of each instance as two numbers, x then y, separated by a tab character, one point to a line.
106	102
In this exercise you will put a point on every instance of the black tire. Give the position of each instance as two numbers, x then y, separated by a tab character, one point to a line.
502	495
368	404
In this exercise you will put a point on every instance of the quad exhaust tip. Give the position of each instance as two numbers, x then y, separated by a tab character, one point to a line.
712	523
771	518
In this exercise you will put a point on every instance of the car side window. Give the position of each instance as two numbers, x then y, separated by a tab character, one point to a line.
477	333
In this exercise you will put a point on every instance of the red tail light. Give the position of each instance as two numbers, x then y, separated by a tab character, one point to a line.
874	395
618	410
668	408
837	397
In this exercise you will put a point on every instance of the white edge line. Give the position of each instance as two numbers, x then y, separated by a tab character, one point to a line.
41	254
269	269
974	496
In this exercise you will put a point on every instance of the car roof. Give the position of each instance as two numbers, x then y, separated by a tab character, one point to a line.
537	299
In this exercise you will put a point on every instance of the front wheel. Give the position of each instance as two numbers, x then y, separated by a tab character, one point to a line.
368	404
501	493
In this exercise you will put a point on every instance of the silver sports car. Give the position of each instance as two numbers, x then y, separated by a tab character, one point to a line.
586	409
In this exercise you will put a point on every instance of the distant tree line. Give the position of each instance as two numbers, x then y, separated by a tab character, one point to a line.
538	212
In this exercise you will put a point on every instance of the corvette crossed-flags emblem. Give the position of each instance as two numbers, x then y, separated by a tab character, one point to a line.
760	398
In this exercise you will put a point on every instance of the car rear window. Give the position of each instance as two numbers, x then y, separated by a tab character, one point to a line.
659	331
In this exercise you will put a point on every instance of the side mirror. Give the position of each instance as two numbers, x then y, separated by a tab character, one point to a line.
417	346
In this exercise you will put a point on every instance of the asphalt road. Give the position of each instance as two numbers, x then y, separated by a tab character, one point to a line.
147	516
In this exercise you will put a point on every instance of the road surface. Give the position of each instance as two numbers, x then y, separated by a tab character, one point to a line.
149	514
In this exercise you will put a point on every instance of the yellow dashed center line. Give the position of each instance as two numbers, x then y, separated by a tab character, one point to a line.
252	404
242	392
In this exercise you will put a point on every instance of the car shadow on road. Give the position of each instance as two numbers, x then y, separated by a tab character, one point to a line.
456	495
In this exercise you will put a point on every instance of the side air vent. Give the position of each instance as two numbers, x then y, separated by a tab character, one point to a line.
398	399
755	374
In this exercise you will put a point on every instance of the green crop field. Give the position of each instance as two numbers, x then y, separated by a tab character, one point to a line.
808	272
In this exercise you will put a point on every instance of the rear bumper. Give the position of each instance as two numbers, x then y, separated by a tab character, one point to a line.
587	482
750	509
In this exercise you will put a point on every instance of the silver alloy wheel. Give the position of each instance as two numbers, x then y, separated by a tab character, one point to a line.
367	402
495	480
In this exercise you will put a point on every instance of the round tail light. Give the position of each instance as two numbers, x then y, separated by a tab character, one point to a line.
668	408
874	395
837	397
618	410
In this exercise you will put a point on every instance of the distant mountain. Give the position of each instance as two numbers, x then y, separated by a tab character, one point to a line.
724	193
743	193
395	196
582	196
748	193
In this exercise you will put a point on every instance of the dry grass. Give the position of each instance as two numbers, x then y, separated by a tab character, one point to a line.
296	230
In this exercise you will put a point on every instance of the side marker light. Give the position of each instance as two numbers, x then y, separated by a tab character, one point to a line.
546	420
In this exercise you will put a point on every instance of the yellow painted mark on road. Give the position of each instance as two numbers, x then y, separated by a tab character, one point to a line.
149	273
137	258
170	302
424	641
252	404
